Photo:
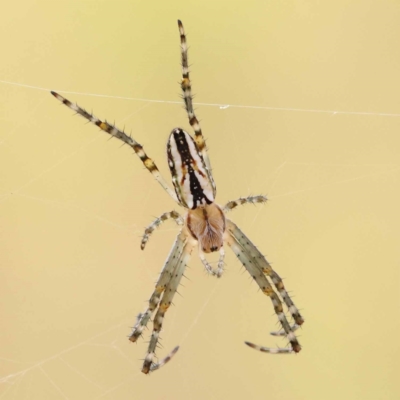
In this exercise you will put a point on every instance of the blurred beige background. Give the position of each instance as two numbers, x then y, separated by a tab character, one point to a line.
313	122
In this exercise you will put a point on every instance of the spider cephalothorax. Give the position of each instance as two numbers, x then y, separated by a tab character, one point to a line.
207	225
204	226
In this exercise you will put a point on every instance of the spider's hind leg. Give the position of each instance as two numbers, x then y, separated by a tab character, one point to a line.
121	135
186	87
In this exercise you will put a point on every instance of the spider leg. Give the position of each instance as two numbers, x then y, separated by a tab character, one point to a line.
261	261
166	300
230	205
283	333
186	87
256	272
162	282
220	266
156	366
115	132
271	350
157	222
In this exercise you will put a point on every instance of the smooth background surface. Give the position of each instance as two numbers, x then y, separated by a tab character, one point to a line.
73	204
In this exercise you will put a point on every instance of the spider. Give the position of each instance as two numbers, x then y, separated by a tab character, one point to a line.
204	226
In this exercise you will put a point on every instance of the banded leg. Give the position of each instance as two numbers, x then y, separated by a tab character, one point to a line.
270	350
230	205
115	132
283	333
165	303
157	222
162	282
246	259
186	87
220	266
155	366
266	268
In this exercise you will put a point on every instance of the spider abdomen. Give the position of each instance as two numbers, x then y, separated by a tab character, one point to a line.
190	175
207	225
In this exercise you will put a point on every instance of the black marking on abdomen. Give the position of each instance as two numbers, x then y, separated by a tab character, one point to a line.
189	164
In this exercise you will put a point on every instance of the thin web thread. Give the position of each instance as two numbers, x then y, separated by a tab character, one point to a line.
15	379
221	106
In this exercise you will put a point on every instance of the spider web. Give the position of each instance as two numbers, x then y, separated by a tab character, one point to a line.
73	276
21	378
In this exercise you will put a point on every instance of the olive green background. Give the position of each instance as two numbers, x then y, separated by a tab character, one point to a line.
313	122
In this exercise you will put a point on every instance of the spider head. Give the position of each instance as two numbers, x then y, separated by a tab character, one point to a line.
207	225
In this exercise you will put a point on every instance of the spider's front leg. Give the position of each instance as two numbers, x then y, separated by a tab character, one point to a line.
167	283
262	263
165	303
162	282
249	256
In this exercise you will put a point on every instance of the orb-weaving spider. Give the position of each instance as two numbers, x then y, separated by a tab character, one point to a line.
204	225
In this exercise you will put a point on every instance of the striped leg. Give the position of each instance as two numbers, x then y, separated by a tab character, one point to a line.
187	97
157	222
163	281
220	266
156	366
243	200
270	350
115	132
283	333
266	268
165	303
247	260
